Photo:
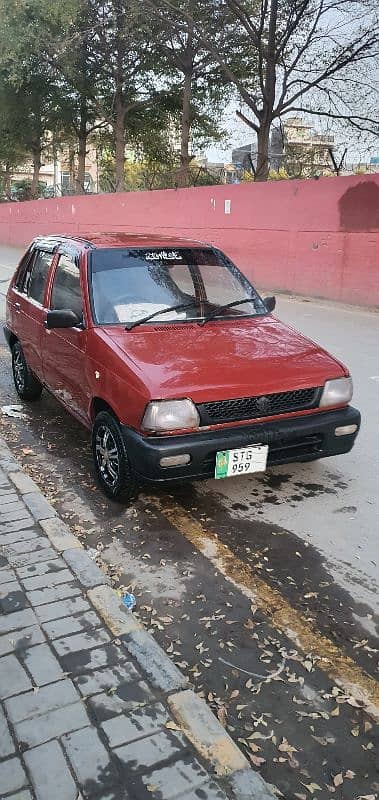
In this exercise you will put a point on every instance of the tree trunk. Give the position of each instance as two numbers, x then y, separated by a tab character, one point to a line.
7	181
80	176
119	144
71	168
185	158
119	133
262	169
82	151
34	193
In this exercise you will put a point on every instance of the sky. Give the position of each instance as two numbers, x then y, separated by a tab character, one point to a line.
239	133
358	149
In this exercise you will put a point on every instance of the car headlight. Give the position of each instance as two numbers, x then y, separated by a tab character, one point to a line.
337	392
170	415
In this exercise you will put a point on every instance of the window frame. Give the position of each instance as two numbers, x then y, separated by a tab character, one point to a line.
25	270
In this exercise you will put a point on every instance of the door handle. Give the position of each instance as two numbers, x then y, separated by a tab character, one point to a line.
17	306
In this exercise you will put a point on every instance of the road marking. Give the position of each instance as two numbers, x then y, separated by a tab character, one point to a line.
339	666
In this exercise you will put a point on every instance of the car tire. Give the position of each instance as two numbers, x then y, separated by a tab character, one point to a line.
111	461
27	386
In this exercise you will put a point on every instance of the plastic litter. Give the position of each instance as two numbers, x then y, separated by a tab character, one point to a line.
13	411
129	601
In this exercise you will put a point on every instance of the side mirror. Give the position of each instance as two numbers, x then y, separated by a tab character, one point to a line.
270	303
63	318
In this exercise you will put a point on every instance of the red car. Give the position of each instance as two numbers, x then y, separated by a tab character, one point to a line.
168	354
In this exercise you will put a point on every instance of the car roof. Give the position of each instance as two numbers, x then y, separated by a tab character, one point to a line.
96	240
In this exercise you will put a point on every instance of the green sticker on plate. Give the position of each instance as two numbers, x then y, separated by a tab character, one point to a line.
222	463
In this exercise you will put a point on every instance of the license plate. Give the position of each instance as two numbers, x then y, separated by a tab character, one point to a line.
242	461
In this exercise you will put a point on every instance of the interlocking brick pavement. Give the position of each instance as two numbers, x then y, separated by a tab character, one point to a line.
78	714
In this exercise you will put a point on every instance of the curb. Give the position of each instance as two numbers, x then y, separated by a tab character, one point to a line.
193	715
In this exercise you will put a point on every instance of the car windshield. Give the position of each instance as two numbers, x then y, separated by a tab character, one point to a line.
127	285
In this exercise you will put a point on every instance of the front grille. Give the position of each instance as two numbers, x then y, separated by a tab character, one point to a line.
261	406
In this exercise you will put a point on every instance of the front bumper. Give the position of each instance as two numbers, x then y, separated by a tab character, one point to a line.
302	438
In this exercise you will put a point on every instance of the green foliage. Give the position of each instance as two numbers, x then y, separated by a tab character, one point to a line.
22	189
278	175
110	72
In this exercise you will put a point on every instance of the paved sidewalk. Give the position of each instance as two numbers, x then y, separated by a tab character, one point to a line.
89	709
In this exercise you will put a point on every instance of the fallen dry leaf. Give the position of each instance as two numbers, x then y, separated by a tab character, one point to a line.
324	740
254	747
172	726
286	747
257	760
338	779
349	774
312	787
221	715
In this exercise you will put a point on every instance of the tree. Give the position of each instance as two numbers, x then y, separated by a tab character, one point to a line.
123	42
74	57
47	49
198	79
12	147
27	72
305	56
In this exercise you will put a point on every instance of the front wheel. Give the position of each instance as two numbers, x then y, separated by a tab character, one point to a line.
28	387
111	461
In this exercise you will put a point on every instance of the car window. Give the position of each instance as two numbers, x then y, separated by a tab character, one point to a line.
35	281
66	291
23	272
128	284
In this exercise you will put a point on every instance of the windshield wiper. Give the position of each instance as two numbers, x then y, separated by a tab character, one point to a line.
180	307
217	310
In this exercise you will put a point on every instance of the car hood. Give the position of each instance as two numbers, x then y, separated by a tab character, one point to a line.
223	359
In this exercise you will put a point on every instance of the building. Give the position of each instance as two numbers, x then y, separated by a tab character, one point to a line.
295	147
57	176
221	171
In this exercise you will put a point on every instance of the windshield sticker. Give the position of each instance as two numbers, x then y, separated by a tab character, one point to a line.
132	312
163	255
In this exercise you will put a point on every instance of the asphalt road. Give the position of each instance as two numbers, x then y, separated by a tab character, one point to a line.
263	589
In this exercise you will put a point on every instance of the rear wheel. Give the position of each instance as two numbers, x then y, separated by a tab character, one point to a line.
111	460
28	387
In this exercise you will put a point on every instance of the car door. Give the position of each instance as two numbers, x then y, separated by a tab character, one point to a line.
28	300
64	349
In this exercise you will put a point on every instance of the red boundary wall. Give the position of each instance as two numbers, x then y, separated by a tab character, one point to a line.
313	237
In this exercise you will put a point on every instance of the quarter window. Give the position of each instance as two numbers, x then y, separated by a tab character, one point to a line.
66	292
36	281
24	271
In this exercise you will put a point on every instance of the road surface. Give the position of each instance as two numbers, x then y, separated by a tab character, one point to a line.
263	589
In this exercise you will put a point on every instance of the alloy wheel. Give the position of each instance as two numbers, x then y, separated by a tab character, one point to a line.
19	369
107	456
